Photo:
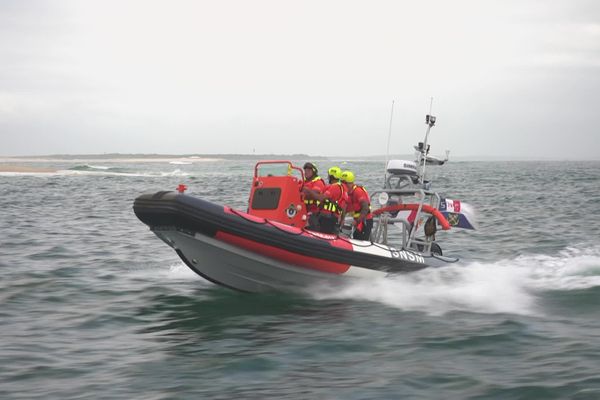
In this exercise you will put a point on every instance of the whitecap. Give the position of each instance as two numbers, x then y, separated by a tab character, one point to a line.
504	286
176	172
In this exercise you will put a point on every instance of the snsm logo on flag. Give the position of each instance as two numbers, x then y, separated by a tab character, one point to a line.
450	205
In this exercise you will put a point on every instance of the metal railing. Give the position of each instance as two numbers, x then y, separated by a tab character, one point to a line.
408	231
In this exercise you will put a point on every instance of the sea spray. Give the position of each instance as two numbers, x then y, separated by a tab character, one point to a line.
571	269
474	288
504	286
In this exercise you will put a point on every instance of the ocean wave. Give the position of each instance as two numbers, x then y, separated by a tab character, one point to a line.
87	167
504	286
118	171
106	173
571	269
97	171
176	172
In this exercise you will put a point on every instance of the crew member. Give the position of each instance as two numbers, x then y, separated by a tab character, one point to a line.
313	183
359	204
332	202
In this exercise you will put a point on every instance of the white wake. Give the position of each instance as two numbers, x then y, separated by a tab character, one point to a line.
504	286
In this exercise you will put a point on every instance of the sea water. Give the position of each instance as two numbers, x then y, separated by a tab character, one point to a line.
93	305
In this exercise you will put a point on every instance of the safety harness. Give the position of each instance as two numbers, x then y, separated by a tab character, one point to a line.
310	202
332	205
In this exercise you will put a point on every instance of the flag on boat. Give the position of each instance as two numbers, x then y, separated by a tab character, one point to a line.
458	214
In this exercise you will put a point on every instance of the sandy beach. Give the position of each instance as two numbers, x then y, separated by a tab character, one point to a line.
18	164
110	160
25	169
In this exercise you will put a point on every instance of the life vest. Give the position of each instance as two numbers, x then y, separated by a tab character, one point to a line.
355	205
316	183
335	206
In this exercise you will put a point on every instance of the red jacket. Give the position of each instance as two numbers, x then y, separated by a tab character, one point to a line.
317	184
356	194
337	199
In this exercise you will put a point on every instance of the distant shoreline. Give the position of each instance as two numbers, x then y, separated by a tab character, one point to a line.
198	158
84	159
26	169
118	157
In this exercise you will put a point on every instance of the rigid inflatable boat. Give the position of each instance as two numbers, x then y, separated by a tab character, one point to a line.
268	248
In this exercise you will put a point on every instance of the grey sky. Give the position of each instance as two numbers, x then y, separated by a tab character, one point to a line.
517	78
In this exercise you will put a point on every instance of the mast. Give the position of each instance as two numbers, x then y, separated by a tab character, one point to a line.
387	154
424	150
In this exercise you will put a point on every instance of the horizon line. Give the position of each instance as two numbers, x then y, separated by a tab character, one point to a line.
373	157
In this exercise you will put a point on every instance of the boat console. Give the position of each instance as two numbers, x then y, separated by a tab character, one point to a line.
276	193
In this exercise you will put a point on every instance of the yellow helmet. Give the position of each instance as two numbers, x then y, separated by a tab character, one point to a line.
336	172
347	176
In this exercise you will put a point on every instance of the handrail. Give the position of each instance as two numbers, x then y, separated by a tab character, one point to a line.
415	207
289	163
